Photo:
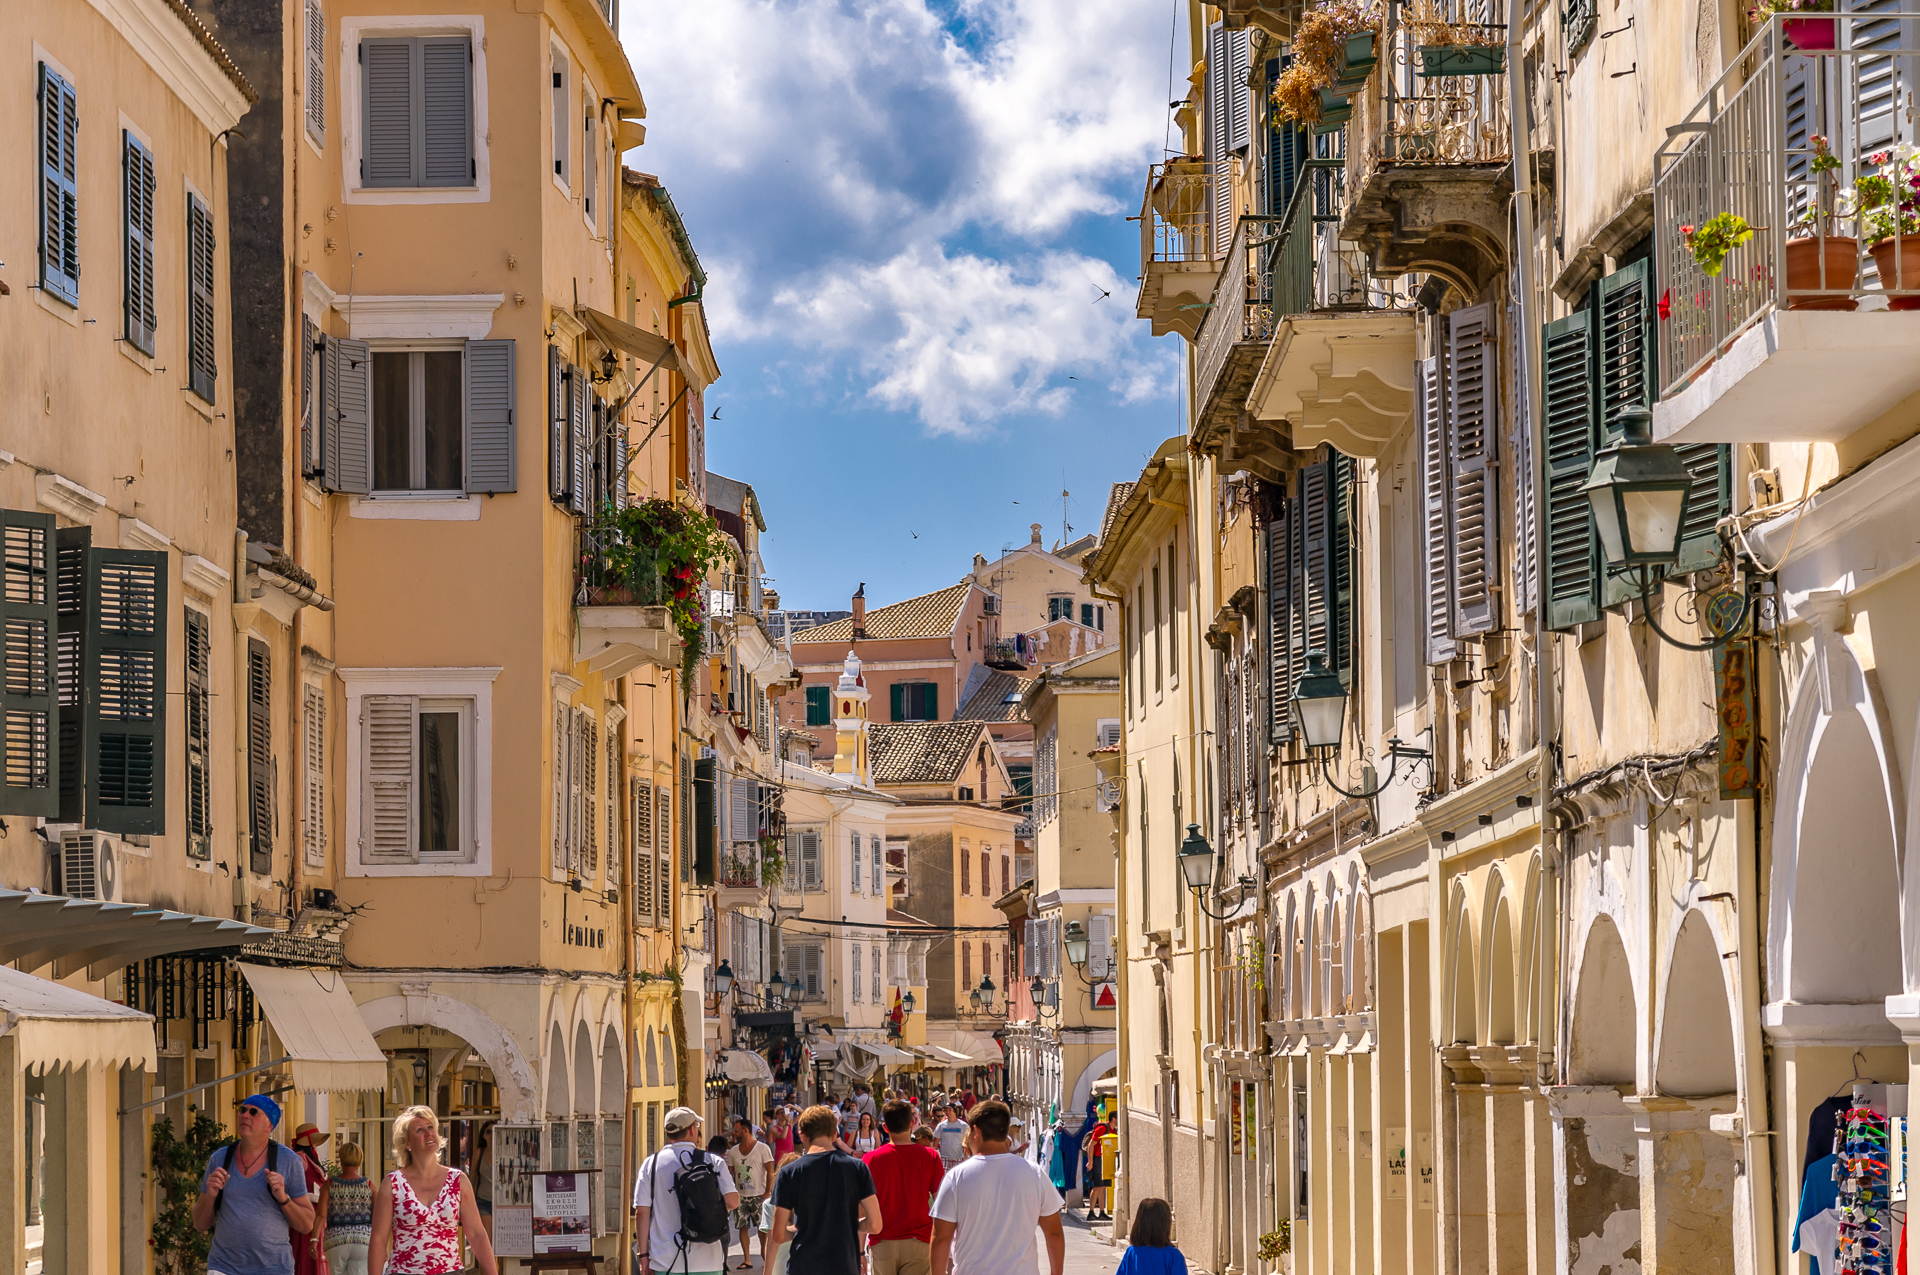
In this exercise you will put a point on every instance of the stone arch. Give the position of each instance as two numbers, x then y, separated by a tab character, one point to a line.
1834	932
613	1073
586	1098
1695	1050
1605	1011
1308	937
1463	1011
1501	982
1083	1085
1532	955
1296	1000
512	1076
1360	943
652	1072
558	1104
1336	963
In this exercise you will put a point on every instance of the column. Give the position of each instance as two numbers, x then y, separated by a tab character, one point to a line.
13	1160
1507	1226
1686	1185
1596	1180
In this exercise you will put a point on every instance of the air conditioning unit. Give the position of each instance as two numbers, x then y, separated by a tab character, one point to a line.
90	866
990	605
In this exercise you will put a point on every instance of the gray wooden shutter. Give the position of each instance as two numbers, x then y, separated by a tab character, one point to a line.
316	87
313	399
562	788
392	724
1520	447
72	547
348	417
259	757
1340	566
621	459
1281	672
644	893
391	145
199	735
1316	504
663	861
490	449
1436	544
313	775
1216	141
1239	103
202	360
558	464
138	173
811	878
1472	516
446	112
29	619
124	681
578	428
59	196
1567	406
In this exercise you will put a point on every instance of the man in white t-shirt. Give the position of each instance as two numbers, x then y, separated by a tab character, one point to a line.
656	1209
750	1161
951	1134
988	1205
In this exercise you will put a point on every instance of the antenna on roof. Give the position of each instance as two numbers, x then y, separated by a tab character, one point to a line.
1066	528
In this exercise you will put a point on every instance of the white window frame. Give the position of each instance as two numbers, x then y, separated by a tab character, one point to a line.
474	685
348	82
393	345
561	61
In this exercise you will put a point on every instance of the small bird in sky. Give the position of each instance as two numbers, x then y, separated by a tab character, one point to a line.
716	413
1104	294
913	533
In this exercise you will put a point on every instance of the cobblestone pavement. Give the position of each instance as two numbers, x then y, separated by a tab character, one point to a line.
1088	1252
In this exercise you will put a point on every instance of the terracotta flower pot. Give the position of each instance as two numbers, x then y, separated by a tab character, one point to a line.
1812	35
1899	266
1803	272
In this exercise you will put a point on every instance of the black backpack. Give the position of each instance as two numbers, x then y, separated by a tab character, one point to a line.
703	1206
272	1162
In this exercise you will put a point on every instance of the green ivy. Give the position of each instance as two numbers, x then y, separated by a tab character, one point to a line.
178	1164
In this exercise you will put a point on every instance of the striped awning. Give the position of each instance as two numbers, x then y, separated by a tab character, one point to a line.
76	934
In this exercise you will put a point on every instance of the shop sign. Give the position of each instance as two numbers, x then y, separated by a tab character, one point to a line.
1396	1164
1738	708
563	1212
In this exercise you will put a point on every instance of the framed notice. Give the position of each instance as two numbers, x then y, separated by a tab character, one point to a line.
516	1159
563	1212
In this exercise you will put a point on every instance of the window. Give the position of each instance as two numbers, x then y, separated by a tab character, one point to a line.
1173	615
856	863
859	987
876	973
802	961
30	615
420	754
1106	732
1159	620
260	814
60	193
201	360
417	420
316	87
1006	874
1309	586
199	706
562	112
589	155
137	170
417	99
1086	615
1059	608
879	869
986	872
915	701
819	706
966	868
640	807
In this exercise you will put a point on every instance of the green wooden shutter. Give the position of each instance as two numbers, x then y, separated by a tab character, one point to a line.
1341	473
137	174
199	703
819	706
1708	501
1316	544
1436	545
445	77
71	549
1568	402
202	362
348	416
490	442
1281	671
706	813
259	757
391	143
124	681
29	619
933	703
59	196
1472	508
897	701
1624	367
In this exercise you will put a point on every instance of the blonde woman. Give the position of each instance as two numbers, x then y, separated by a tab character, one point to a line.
422	1208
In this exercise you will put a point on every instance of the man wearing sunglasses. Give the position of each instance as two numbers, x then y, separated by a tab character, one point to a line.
253	1198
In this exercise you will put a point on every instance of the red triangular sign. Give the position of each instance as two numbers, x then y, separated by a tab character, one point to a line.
1103	997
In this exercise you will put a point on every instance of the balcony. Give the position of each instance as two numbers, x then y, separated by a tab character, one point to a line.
1276	19
1179	261
742	883
621	606
1801	336
1339	366
1429	159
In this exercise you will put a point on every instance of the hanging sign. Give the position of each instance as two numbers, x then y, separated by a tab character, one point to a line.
1738	708
1106	996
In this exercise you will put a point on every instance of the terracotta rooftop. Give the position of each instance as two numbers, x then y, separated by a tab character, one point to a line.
921	752
996	700
929	615
1115	499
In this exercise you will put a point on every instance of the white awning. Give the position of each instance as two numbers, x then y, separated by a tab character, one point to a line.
320	1029
76	934
59	1027
882	1053
746	1067
646	346
980	1051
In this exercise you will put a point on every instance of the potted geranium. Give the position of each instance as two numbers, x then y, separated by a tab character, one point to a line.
1808	34
1712	240
1889	216
1817	259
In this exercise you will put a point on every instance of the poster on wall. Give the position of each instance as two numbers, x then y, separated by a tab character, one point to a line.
563	1212
1423	1165
1396	1188
516	1158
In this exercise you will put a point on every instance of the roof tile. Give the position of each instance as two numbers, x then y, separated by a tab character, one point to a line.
929	615
921	752
996	700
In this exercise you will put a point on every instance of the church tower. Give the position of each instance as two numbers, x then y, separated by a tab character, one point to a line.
850	719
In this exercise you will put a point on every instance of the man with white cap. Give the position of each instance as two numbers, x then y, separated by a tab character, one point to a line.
676	1238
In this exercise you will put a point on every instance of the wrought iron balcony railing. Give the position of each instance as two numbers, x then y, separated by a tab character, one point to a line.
1176	219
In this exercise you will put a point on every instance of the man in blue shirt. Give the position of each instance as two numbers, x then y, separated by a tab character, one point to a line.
253	1198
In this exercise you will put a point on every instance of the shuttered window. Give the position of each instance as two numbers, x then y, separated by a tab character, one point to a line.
643	854
705	820
561	853
313	379
259	757
111	674
663	879
28	620
589	157
420	420
812	879
313	775
613	788
580	441
202	362
559	440
562	112
1473	519
1436	544
1281	672
855	850
1226	123
586	754
819	706
59	202
1311	558
858	984
137	183
387	818
347	417
915	701
1520	446
418	105
199	706
316	87
1567	381
417	801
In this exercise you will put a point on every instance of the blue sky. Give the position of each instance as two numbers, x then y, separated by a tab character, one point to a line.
908	211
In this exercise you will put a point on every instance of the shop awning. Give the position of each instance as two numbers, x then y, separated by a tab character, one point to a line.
979	1051
941	1056
60	1027
77	934
746	1067
320	1029
886	1054
646	346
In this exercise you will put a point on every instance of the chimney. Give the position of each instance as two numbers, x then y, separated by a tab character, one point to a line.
1034	527
860	611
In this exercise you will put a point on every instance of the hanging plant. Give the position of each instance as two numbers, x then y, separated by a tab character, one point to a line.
658	553
177	1164
1712	241
1323	45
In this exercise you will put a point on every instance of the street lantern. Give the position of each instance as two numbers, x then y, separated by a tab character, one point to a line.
908	1003
1320	702
1076	945
983	994
776	989
723	977
1639	494
795	988
1196	860
1037	989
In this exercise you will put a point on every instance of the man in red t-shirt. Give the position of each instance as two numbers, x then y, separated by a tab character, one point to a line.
905	1176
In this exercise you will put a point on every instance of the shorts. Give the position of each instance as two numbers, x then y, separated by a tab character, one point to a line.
747	1216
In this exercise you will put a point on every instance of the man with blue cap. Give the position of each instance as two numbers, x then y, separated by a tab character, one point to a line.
253	1198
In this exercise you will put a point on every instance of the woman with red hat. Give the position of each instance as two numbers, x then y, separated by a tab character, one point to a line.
309	1250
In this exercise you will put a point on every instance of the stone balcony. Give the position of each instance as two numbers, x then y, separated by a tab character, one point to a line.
1179	258
615	638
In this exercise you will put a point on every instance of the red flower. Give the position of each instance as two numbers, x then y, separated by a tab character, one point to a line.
1687	231
1666	304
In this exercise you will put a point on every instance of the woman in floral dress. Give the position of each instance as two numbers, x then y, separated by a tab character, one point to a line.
423	1207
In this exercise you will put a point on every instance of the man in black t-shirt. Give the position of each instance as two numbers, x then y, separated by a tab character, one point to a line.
824	1202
